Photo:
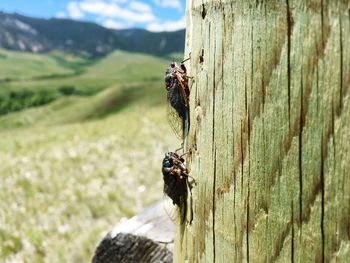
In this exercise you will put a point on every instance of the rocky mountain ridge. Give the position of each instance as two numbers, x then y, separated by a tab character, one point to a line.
18	32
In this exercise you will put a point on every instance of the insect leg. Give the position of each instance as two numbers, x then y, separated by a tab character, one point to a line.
183	61
181	148
184	154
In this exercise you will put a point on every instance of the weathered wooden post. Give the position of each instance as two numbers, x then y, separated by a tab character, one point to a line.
270	132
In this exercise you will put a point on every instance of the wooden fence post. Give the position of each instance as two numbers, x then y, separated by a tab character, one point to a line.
270	132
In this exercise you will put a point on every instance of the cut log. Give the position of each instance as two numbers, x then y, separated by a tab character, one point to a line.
129	248
147	237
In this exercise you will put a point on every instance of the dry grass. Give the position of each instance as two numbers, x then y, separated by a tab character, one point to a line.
69	175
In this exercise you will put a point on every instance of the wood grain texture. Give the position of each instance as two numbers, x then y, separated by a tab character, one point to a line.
269	138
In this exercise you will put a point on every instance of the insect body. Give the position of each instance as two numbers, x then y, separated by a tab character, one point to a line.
176	83
175	176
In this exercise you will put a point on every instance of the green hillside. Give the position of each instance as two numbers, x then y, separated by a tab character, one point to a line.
17	66
118	68
74	166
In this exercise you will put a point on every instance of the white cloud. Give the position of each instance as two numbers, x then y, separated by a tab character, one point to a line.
61	15
117	1
99	8
167	25
74	11
176	4
111	23
113	10
140	7
119	14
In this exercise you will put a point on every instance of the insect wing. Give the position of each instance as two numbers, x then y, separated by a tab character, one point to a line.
173	210
183	202
169	208
184	88
174	120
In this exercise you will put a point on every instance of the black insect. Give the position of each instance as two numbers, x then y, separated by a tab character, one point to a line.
176	83
175	176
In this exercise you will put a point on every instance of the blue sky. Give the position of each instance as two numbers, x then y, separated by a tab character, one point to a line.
153	15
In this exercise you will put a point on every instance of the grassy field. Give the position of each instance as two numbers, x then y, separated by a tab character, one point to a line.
72	167
17	66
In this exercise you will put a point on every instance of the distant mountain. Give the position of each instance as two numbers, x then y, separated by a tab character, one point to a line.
18	32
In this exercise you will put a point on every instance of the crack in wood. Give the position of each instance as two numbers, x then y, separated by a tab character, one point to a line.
248	191
322	201
341	63
300	150
214	156
289	34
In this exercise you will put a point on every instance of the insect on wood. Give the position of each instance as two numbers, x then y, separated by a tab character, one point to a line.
176	185
176	83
